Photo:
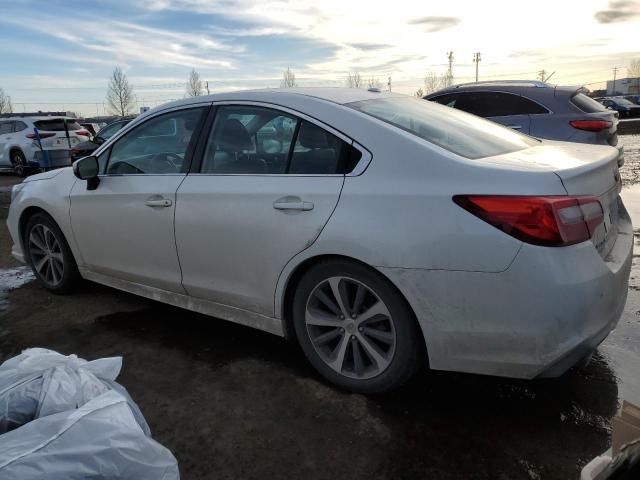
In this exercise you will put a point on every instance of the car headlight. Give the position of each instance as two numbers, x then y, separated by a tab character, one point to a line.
16	190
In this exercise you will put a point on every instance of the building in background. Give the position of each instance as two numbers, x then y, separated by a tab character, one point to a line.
624	86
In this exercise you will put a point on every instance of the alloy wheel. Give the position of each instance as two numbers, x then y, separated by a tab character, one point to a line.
46	254
350	327
19	164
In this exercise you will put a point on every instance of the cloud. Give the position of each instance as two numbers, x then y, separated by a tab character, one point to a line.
369	46
619	11
435	24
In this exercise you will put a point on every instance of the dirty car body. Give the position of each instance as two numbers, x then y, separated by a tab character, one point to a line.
512	255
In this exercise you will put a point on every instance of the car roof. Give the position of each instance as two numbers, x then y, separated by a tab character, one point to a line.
36	119
339	95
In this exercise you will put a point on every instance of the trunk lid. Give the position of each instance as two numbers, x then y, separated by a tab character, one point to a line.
584	169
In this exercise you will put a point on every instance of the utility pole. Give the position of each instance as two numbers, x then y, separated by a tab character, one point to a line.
541	74
476	60
450	72
615	71
207	86
389	83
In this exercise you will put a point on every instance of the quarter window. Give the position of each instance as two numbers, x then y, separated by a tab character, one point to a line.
157	146
257	140
19	126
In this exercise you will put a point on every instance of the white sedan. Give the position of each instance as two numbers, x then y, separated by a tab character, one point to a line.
381	232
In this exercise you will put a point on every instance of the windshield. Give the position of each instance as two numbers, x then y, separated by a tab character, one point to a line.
622	101
459	132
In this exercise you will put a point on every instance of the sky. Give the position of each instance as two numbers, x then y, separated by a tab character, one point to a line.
59	55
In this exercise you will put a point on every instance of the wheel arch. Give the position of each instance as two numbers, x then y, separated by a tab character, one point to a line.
289	289
26	214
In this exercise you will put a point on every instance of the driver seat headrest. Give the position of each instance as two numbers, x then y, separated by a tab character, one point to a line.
234	136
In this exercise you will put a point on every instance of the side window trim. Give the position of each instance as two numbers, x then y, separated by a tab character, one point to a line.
188	156
196	163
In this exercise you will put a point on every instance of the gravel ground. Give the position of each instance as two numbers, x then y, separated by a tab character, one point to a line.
630	172
232	402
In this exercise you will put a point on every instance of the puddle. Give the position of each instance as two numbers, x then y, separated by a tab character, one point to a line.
11	278
622	348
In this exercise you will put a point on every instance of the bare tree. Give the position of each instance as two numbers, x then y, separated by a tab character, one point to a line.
419	93
373	82
119	93
288	79
5	102
354	80
194	86
633	71
433	82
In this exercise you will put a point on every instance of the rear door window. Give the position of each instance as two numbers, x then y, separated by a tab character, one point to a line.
6	127
498	104
255	140
448	99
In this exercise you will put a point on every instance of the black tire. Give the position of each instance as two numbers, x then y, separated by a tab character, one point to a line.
19	162
409	353
69	276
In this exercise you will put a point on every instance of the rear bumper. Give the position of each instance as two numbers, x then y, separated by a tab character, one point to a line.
548	310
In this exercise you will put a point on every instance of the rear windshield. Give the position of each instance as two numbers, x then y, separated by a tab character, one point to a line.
56	125
459	132
587	104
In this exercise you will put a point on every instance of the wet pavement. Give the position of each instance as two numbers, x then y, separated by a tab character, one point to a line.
232	402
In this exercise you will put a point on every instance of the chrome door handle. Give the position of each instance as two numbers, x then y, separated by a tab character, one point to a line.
159	203
516	127
305	206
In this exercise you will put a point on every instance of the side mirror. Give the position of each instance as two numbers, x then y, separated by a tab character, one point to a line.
87	168
98	140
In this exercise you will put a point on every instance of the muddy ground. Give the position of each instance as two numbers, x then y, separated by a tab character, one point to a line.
232	402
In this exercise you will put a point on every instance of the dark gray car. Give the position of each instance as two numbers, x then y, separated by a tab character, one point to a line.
537	109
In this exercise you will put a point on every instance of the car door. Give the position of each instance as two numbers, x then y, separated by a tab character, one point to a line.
124	228
267	183
6	129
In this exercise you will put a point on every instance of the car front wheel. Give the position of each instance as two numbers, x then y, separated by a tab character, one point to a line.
355	328
49	254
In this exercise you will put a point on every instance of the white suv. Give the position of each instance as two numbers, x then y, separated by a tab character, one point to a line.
38	142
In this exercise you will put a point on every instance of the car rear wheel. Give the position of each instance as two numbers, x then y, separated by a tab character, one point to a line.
19	163
49	254
355	328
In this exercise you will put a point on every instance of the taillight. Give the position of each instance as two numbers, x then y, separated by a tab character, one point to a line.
591	125
32	136
551	221
84	133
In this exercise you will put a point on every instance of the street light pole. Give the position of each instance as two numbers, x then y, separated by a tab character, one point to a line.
476	60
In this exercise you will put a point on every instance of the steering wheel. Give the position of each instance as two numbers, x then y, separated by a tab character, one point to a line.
168	158
123	168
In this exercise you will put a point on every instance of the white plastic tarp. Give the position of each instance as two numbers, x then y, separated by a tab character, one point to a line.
41	382
101	439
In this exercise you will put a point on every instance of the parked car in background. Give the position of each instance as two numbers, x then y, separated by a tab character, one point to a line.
31	143
633	98
381	231
85	148
624	107
537	109
91	127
